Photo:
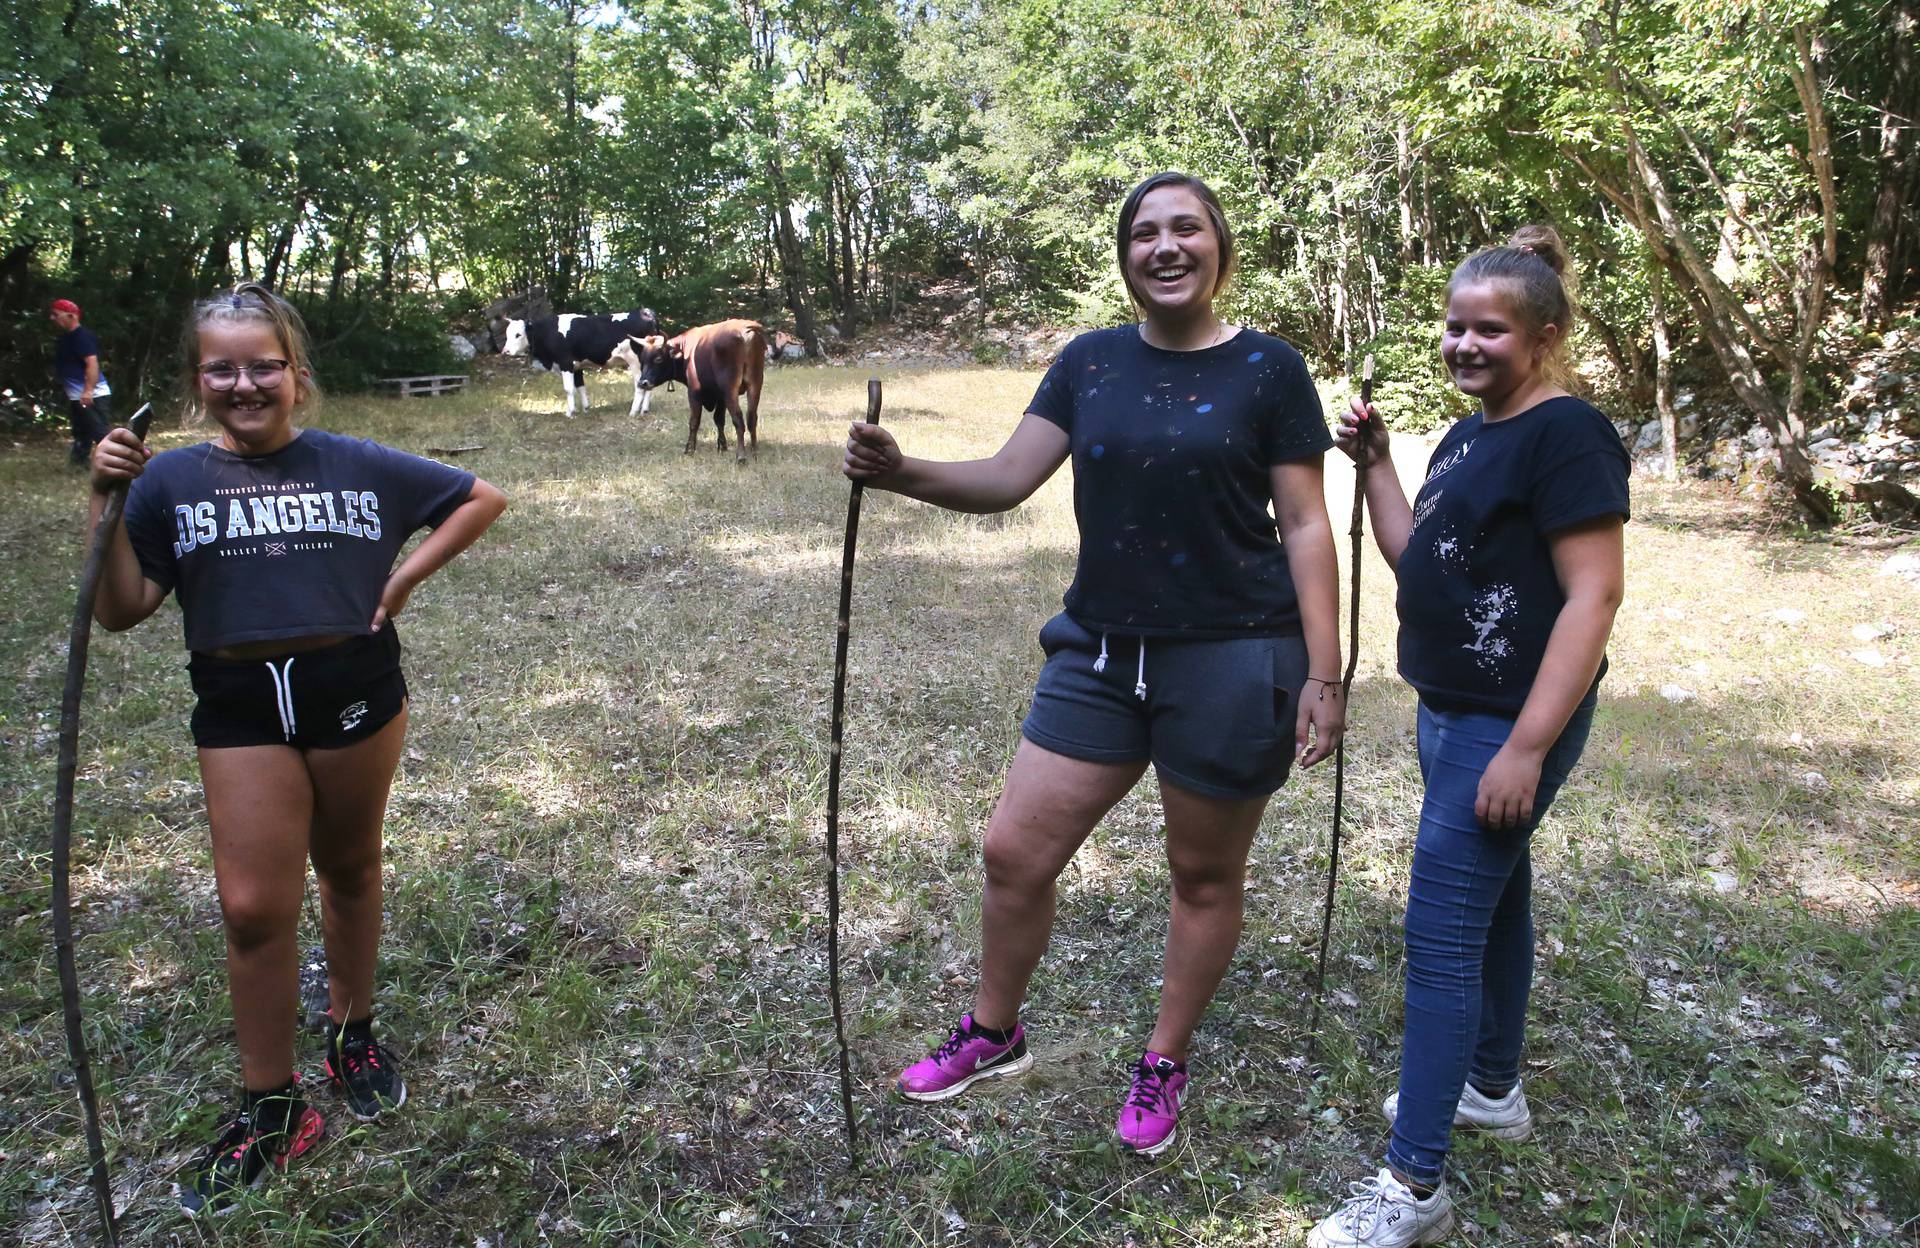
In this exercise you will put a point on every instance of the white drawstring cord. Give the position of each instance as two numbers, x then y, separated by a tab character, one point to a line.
283	695
1140	678
1100	664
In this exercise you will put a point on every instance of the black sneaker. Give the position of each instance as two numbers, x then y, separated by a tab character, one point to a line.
364	1072
244	1153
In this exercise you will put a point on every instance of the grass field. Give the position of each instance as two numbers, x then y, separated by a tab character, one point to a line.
605	959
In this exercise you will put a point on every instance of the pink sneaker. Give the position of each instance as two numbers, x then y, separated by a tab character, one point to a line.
962	1060
1152	1111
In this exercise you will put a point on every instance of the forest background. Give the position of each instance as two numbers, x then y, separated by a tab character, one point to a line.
1738	179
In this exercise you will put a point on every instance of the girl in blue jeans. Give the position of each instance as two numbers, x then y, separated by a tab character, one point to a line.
1510	569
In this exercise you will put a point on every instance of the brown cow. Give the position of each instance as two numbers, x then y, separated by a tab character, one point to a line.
716	363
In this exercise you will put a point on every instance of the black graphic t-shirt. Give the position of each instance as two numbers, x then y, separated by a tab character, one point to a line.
1478	595
293	544
1171	452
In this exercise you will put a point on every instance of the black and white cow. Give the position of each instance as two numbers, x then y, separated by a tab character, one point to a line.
565	344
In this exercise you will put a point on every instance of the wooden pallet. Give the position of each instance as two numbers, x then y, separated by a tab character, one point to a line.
407	387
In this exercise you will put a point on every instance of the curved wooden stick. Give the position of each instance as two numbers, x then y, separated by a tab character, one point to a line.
78	636
833	791
1346	689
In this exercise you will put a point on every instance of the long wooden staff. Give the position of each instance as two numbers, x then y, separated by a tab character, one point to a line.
1346	689
69	760
833	791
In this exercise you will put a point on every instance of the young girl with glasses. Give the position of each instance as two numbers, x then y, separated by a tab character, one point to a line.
280	543
1511	567
1200	634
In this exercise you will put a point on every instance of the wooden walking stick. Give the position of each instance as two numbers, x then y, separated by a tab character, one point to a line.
834	752
1346	688
69	761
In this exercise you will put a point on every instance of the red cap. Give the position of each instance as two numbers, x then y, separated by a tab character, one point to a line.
66	305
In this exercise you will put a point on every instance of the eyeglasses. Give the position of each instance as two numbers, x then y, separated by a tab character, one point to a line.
266	374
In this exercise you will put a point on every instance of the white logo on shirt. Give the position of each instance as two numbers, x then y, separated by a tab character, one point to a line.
1489	610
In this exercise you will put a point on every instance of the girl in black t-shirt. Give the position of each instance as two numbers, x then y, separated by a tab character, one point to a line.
1510	568
1189	632
281	545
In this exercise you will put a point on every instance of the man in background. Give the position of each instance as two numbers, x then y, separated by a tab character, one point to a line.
76	361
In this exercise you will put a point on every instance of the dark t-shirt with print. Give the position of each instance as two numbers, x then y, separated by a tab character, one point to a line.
293	544
1478	595
1171	452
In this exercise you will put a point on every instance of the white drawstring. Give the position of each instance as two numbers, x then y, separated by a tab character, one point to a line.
1140	676
283	695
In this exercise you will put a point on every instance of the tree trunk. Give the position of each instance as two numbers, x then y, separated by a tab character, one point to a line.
283	247
1665	237
849	297
1899	166
1403	166
345	244
793	260
1663	374
830	252
13	272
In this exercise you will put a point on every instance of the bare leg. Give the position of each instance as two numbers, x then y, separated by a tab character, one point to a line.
260	803
1208	840
350	789
1049	806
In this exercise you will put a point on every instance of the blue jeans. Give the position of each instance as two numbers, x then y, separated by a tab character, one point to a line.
1469	931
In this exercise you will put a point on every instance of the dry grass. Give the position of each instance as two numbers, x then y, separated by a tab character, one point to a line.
605	957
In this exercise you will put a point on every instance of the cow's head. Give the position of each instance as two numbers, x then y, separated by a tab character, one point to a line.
515	342
659	360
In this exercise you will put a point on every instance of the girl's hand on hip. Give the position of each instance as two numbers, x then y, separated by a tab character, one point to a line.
871	452
393	600
1505	800
117	459
1320	723
1358	421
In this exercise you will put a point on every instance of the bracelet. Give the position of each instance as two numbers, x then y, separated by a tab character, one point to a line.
1323	681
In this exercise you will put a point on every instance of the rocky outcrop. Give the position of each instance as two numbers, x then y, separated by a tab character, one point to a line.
1867	445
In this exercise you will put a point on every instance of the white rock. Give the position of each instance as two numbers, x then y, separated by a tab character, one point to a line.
460	346
1724	881
1814	780
1788	615
1904	564
1868	632
1677	693
1870	657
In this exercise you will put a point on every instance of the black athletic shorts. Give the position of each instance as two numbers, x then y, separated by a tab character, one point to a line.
316	700
1213	716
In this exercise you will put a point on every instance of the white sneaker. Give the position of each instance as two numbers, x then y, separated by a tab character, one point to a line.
1383	1213
1505	1119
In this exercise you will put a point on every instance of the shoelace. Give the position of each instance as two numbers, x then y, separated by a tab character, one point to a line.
358	1054
1362	1210
951	1044
1149	1088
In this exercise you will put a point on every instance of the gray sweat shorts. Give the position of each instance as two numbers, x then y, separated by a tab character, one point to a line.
1213	716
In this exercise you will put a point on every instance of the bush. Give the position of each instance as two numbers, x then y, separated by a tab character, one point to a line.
355	343
1411	387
